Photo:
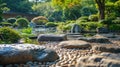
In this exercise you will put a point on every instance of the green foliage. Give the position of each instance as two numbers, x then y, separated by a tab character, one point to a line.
56	15
90	26
88	7
22	22
117	21
72	13
93	17
86	26
112	9
117	8
27	30
31	41
2	6
9	35
5	24
115	27
106	21
23	6
64	27
11	20
83	19
51	24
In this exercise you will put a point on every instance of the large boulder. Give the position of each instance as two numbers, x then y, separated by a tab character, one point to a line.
22	53
74	44
98	61
51	37
102	30
96	39
76	28
107	48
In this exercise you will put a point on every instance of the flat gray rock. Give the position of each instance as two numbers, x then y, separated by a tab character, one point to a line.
51	37
96	39
22	53
74	44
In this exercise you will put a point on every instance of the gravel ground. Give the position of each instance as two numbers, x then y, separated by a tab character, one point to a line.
68	57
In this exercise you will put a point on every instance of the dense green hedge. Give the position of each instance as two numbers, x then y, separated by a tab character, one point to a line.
22	22
86	26
11	20
51	24
8	35
115	27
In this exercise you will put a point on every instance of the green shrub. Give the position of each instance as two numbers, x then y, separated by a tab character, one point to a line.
67	27
1	18
11	20
27	30
106	21
9	35
115	27
89	26
51	24
40	20
83	19
22	22
5	24
117	21
64	27
93	17
67	22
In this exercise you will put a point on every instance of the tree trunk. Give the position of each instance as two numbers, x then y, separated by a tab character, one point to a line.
101	7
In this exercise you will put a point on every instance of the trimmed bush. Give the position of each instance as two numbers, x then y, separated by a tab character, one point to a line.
83	19
93	17
5	24
27	30
64	27
8	35
40	20
117	21
51	24
11	20
22	22
90	26
106	21
115	27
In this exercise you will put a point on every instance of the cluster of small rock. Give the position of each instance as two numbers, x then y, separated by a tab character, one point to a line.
68	57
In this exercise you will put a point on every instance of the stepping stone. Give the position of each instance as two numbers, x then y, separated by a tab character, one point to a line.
51	37
74	44
96	39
